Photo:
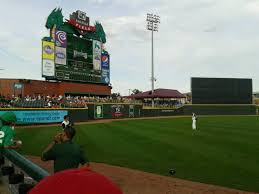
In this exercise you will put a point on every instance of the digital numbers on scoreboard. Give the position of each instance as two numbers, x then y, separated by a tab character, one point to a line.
79	64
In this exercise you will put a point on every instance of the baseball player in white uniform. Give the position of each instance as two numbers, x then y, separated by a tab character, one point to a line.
194	120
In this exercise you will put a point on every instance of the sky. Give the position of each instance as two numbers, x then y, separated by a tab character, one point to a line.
201	38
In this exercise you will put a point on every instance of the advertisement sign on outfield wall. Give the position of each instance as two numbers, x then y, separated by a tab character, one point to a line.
34	117
98	111
131	110
117	110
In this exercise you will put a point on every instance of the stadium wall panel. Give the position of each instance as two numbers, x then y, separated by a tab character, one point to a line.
161	112
78	115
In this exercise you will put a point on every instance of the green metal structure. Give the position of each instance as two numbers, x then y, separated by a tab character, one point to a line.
55	20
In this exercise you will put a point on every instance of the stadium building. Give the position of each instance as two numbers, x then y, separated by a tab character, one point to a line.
25	87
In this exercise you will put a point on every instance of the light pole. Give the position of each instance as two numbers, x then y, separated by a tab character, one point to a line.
152	25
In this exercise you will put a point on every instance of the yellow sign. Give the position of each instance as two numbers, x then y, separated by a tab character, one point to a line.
48	50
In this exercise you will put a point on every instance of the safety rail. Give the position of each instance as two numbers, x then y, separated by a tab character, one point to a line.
18	173
27	166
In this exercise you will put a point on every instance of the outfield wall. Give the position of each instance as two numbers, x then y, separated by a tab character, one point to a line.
32	116
113	111
158	112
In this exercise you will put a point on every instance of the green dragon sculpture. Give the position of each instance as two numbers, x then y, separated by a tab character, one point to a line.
55	19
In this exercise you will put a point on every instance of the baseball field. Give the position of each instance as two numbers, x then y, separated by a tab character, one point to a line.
223	151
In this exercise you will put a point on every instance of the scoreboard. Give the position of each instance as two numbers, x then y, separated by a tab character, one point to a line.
75	59
221	90
79	62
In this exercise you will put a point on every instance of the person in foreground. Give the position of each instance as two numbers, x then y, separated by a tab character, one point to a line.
64	152
76	181
7	133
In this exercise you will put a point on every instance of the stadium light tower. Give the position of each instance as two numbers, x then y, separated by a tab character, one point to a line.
152	25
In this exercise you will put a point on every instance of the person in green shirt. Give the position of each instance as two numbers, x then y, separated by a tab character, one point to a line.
7	133
64	152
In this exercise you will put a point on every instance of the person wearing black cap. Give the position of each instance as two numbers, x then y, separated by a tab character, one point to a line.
64	152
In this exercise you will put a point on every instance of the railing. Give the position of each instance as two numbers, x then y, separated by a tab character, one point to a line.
20	173
31	169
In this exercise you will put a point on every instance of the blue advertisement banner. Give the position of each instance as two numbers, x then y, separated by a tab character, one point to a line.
33	117
105	69
105	61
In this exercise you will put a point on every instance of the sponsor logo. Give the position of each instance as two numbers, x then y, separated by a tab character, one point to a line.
105	59
81	15
79	20
97	46
48	49
117	112
80	54
105	62
61	38
60	55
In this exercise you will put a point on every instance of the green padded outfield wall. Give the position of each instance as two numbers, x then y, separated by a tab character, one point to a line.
113	111
161	112
221	91
220	109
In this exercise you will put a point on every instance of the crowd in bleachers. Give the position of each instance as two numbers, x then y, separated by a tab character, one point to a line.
58	101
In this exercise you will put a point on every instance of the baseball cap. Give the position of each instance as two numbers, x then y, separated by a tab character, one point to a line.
9	117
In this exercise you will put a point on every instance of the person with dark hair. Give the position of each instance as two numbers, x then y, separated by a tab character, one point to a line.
66	122
64	152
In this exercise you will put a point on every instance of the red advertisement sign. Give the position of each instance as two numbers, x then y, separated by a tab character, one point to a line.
81	26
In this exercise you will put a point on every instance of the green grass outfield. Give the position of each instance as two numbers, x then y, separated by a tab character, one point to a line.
224	151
